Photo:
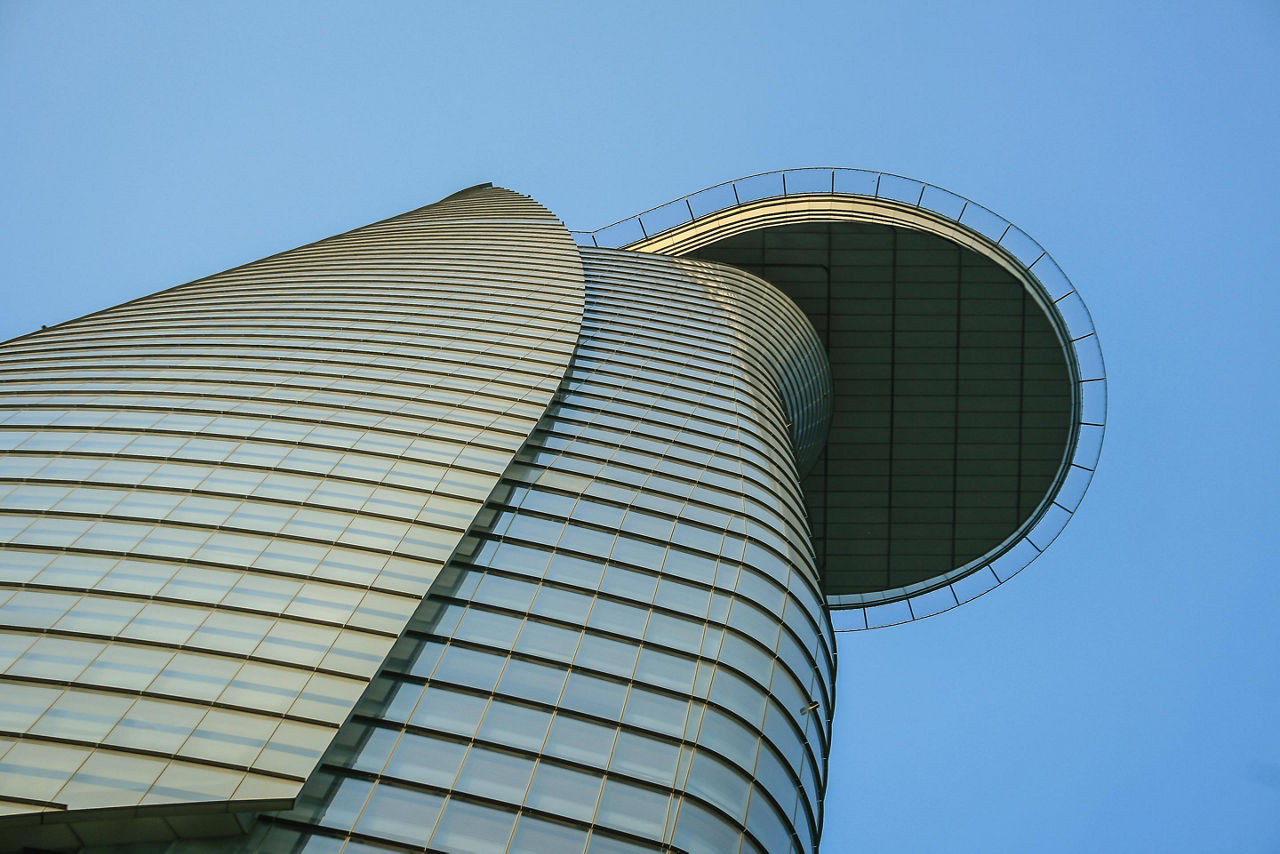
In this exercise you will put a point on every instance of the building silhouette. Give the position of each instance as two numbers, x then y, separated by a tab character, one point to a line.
463	532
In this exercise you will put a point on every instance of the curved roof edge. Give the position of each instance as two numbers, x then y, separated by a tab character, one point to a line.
832	194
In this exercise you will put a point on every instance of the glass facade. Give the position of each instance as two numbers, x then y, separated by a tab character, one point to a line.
447	534
221	505
630	653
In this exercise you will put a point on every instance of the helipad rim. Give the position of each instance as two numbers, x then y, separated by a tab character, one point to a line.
836	193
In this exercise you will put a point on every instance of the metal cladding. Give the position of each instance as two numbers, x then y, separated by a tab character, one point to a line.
221	504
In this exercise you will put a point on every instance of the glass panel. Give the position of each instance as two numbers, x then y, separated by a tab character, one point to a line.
505	592
39	770
600	697
586	540
328	698
537	834
384	612
291	557
183	781
582	741
264	687
144	578
82	715
233	737
198	677
164	623
415	656
529	680
237	634
297	643
426	759
204	510
129	666
35	610
720	784
21	705
632	808
548	641
235	549
656	712
108	779
200	584
575	570
602	844
729	738
345	803
294	748
685	598
639	553
12	645
55	658
750	659
629	584
66	570
564	791
390	699
402	815
698	829
515	725
495	774
488	627
262	593
473	668
618	617
644	757
736	694
156	725
328	602
612	656
767	825
100	616
473	828
450	711
666	670
561	604
773	776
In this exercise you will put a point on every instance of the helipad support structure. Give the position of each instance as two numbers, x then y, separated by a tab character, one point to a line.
455	533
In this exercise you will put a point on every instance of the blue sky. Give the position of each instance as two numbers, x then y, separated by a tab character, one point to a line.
1123	693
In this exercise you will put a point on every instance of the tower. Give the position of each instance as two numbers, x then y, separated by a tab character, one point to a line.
451	532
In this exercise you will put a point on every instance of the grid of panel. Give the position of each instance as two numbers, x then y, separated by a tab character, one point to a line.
953	403
630	653
220	505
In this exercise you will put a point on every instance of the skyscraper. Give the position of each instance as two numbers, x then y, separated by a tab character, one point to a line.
453	532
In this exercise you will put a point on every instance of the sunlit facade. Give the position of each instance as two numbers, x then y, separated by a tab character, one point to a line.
447	533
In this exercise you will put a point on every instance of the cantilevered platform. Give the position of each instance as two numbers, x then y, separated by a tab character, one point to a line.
969	392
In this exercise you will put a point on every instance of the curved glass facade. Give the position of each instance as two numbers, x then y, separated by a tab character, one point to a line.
443	534
220	505
630	652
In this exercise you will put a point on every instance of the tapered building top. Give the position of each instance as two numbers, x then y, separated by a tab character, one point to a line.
227	500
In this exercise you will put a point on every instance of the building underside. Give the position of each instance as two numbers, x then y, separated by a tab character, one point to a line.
452	533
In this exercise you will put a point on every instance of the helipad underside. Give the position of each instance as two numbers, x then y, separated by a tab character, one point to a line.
952	408
954	411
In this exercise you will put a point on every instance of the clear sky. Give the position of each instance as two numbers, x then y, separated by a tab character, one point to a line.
1123	693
